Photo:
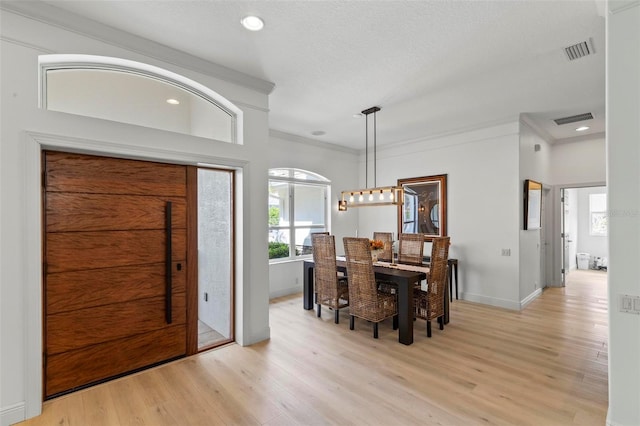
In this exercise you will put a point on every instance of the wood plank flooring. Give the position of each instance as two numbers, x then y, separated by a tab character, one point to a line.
207	336
546	365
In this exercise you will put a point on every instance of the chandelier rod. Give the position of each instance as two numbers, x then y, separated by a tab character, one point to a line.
366	151
375	152
366	112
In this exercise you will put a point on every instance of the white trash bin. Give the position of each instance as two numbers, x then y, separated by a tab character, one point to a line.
583	260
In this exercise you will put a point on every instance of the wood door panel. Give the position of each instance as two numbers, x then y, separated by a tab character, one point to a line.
72	369
67	291
104	267
66	172
74	251
110	322
67	212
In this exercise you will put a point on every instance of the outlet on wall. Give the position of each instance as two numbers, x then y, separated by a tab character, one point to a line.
506	252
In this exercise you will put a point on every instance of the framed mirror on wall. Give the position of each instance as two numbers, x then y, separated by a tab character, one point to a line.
532	204
424	209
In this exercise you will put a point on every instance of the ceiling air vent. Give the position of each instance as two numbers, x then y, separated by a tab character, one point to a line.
574	118
579	50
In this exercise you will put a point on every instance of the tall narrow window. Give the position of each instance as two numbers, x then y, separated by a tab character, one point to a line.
298	206
135	93
215	258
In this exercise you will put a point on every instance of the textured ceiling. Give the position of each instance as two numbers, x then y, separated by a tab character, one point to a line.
432	66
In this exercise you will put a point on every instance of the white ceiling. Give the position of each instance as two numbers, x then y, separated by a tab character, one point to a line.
433	67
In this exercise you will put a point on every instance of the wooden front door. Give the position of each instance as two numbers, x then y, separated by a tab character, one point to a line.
114	296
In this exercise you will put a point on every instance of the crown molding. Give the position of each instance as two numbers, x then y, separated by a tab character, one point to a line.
616	6
512	119
311	142
51	15
539	130
582	138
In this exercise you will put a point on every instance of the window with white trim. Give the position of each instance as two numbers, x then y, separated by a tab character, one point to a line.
298	207
598	220
136	93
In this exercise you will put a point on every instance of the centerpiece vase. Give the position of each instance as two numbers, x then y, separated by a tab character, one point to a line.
375	253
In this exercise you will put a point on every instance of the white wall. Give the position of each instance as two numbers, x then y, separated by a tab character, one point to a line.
578	162
623	178
26	129
339	165
535	164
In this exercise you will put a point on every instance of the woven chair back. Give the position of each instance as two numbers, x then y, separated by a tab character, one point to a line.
437	278
325	271
387	251
410	249
362	282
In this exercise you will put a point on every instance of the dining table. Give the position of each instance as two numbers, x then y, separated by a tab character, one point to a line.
406	277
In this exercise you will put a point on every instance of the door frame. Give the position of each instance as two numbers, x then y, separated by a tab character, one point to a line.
556	276
546	236
34	144
193	288
564	262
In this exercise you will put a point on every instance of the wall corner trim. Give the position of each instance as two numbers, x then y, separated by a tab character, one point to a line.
12	414
530	298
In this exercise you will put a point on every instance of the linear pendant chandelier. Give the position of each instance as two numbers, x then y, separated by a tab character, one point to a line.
376	196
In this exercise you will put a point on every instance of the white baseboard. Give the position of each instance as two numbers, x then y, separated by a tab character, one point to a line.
492	301
285	292
501	303
530	298
610	422
12	414
264	334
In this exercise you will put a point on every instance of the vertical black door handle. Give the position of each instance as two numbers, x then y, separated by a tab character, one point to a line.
168	264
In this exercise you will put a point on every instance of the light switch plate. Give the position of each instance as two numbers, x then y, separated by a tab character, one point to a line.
629	304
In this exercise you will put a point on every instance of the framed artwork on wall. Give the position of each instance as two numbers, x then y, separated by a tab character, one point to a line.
532	205
424	208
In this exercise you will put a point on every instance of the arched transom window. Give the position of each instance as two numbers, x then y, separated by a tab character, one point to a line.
136	93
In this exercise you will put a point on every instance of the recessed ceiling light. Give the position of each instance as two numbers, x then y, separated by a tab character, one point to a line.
318	133
252	23
582	128
173	101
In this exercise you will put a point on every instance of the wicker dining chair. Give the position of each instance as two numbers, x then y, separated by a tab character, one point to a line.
387	251
429	304
386	256
365	300
331	289
410	249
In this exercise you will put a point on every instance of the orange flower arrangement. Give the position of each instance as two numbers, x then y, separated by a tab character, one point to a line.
376	244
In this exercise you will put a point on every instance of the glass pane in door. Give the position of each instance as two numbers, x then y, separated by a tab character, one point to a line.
215	258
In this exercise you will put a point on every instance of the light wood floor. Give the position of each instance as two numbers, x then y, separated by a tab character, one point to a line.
207	336
546	365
